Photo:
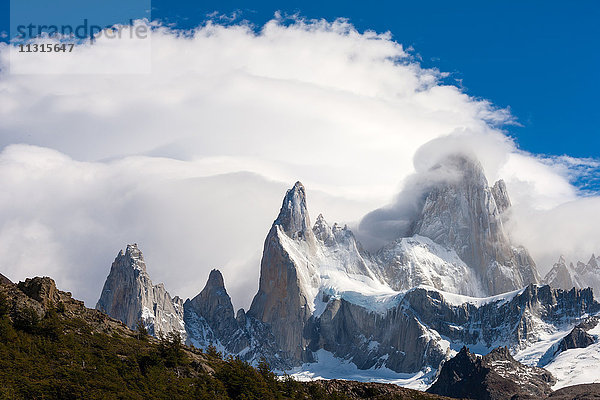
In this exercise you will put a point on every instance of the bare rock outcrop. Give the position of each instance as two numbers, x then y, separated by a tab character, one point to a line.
282	300
209	320
496	376
129	296
462	213
578	337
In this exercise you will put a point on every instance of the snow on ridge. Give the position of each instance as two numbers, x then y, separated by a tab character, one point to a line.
332	272
459	299
330	367
417	260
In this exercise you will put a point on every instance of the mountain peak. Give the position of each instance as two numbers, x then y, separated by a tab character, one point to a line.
460	212
562	260
215	279
132	257
593	262
293	216
213	303
457	168
130	296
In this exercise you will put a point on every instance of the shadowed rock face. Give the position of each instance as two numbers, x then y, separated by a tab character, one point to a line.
395	339
496	376
463	214
559	276
578	337
501	198
209	320
41	289
281	301
408	337
129	296
515	322
214	304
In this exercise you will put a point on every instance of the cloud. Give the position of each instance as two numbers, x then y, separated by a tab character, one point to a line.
68	219
192	160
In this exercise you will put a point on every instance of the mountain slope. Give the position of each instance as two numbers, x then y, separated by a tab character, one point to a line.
323	298
52	347
495	376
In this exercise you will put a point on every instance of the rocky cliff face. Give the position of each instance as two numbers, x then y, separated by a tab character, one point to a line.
419	328
284	298
495	376
560	275
515	320
41	295
395	339
129	296
209	320
579	337
406	263
214	305
407	307
463	214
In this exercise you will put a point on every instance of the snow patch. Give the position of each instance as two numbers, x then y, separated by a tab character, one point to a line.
330	367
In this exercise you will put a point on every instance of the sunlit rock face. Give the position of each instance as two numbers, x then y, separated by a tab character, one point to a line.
463	214
454	280
129	296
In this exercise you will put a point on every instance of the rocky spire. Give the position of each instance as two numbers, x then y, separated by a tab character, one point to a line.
461	213
282	299
129	296
214	304
560	275
492	376
293	217
323	232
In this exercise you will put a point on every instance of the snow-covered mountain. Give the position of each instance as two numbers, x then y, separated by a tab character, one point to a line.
403	310
464	214
581	275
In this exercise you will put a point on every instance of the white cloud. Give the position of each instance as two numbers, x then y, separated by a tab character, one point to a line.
192	160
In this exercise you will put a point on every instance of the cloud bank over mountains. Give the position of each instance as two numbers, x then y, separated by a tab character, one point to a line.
192	160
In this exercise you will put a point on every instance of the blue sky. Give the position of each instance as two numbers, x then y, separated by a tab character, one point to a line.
541	59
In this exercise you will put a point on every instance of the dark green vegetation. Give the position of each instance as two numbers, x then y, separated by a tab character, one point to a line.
61	358
52	347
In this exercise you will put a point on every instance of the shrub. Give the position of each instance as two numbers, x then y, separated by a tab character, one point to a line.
4	306
27	320
141	331
171	349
